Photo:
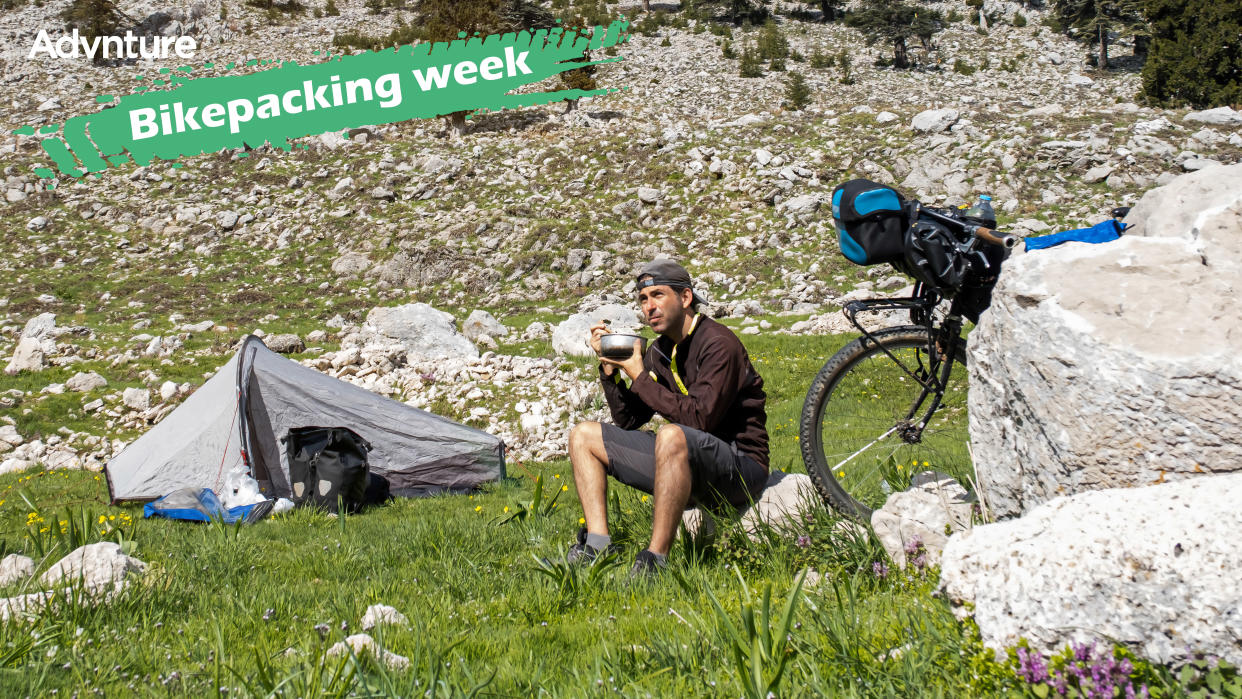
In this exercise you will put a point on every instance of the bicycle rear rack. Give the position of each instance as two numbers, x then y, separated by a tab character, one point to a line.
920	306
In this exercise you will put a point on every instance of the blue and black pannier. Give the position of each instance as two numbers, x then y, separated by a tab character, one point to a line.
871	222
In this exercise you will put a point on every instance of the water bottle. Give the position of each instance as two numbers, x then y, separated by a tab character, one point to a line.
982	211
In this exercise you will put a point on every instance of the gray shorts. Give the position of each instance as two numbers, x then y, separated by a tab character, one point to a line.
719	473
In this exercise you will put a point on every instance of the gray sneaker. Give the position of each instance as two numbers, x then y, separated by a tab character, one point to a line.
647	566
582	554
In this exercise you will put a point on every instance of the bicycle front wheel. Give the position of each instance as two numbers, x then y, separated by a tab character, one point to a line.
874	416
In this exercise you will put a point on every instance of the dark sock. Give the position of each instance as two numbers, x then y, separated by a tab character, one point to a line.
660	558
599	542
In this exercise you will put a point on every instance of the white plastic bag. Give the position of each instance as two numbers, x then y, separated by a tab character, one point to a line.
240	488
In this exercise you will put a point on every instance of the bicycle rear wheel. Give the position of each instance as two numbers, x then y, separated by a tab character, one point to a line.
862	430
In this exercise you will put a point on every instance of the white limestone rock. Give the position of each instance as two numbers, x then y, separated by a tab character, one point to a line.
285	343
83	382
361	644
136	398
36	344
785	497
480	323
571	335
1223	116
934	120
1153	568
1111	365
424	332
935	504
15	568
378	614
99	567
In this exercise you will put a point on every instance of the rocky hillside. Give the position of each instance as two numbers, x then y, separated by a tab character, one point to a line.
153	273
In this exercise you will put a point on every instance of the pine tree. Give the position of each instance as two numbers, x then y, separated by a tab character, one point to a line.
751	65
896	22
772	43
94	18
445	20
578	78
1195	55
828	9
1094	20
797	92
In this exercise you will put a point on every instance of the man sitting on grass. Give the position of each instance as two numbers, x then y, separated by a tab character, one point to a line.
714	451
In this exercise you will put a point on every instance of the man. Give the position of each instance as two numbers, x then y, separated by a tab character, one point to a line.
698	376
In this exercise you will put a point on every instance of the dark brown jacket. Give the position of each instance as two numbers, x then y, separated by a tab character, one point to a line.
724	394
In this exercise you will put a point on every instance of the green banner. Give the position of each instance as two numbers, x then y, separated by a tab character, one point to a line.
289	101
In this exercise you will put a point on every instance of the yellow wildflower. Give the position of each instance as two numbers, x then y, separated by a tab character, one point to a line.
582	520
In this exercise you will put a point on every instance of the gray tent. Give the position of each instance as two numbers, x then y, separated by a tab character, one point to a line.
240	415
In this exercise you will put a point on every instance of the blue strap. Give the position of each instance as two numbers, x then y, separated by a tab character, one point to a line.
1103	232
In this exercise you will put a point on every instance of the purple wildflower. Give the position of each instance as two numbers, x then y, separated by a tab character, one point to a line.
1060	684
1084	652
879	569
804	541
1031	666
913	546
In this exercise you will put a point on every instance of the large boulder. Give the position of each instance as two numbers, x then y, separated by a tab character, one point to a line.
1112	365
285	343
1220	116
918	521
779	507
98	567
934	120
37	342
15	568
570	337
481	323
1154	568
425	332
84	381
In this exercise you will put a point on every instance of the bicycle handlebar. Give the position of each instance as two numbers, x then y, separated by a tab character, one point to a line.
983	233
988	235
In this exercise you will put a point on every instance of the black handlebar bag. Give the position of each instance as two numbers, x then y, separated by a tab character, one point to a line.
934	256
328	467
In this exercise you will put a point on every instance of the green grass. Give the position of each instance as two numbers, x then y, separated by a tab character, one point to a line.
238	607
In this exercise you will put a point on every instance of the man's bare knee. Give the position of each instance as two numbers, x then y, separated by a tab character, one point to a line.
584	434
670	440
589	437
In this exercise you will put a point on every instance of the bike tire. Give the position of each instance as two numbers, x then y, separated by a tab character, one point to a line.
859	394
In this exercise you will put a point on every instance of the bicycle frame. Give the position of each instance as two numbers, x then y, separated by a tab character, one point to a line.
945	338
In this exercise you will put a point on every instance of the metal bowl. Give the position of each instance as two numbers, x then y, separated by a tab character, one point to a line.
619	346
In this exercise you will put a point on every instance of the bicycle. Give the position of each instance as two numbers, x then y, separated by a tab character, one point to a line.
888	404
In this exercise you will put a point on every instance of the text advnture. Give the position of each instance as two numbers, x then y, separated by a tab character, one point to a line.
73	45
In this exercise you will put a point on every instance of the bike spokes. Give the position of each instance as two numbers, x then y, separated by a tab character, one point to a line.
881	424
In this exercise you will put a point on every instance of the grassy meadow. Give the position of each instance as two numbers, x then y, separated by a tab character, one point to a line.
251	610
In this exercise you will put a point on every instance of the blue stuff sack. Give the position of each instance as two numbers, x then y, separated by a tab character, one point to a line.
871	222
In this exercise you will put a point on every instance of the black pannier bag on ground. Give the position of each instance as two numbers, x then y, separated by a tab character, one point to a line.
871	222
327	464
